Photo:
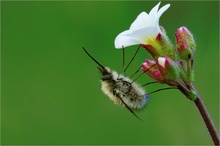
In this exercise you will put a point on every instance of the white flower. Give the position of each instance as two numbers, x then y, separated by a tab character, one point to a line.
143	30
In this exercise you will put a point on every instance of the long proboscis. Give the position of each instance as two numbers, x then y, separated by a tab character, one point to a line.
93	59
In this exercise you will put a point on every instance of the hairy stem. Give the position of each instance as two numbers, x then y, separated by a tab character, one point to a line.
207	119
189	70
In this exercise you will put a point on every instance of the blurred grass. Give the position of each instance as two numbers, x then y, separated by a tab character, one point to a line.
51	91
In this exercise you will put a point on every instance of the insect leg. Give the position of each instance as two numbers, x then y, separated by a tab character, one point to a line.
129	109
143	73
148	84
162	89
132	58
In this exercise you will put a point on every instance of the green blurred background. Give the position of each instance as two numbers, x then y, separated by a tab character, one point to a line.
51	90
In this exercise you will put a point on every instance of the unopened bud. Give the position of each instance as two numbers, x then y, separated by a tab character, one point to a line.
185	42
169	69
151	69
185	52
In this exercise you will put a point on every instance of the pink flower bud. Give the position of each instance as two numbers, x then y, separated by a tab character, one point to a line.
158	76
185	40
152	72
184	51
168	68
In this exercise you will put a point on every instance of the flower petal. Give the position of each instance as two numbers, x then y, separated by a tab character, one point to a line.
159	13
153	12
139	36
162	10
142	20
143	30
125	41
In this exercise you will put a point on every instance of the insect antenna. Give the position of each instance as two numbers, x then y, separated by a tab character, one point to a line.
101	67
129	109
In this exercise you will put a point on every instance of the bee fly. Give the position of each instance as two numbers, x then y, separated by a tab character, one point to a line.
121	89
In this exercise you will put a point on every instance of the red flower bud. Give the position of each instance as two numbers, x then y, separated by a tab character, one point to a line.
152	71
185	52
185	43
168	68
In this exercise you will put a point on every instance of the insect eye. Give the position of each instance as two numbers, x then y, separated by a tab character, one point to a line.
106	77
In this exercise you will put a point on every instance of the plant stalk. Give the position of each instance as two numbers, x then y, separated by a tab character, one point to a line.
207	119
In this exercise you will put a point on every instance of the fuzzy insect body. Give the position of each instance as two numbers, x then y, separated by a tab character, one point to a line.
121	89
118	87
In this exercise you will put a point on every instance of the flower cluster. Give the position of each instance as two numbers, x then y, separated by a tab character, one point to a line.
173	64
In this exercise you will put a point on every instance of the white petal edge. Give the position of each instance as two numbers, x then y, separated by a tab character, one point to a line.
139	32
125	41
161	61
162	10
142	20
139	36
154	10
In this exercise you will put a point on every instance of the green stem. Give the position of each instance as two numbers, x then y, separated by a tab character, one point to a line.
207	119
189	69
202	110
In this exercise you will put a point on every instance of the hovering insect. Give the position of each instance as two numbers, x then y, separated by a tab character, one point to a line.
121	89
